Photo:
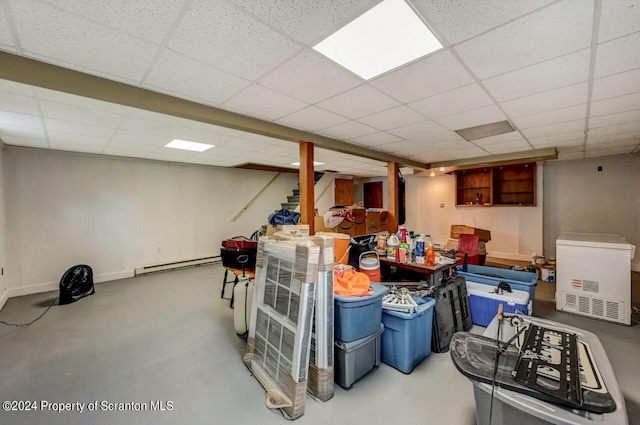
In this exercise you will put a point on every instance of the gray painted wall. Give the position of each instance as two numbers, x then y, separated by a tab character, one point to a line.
579	198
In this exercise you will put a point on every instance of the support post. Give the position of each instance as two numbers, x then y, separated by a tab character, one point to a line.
307	185
393	202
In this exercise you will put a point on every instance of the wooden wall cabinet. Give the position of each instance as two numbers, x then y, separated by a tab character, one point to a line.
501	185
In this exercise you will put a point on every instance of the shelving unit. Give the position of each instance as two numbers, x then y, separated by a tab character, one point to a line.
503	185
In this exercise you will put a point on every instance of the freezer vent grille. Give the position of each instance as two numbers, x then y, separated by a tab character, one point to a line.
598	307
593	307
583	305
613	312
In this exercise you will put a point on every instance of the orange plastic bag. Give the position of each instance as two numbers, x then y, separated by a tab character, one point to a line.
352	284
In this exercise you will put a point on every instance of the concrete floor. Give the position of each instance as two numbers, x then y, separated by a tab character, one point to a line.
169	337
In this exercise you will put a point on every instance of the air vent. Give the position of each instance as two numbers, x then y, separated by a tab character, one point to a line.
583	305
485	130
613	311
598	307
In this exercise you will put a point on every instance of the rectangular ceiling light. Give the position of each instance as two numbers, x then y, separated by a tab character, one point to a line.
485	130
188	146
387	36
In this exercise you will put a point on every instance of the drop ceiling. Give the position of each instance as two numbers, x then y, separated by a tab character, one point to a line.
565	73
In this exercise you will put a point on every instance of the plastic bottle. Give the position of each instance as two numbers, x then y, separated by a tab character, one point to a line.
420	254
430	251
392	247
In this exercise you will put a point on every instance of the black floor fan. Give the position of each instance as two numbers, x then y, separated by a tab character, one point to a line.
76	283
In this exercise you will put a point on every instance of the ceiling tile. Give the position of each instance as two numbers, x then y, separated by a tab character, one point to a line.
80	114
152	128
452	146
485	115
393	118
358	102
459	20
454	101
617	18
183	76
141	138
19	120
552	74
32	142
548	130
375	139
531	39
6	38
547	101
73	42
20	104
312	118
310	77
306	20
60	126
80	101
223	36
614	56
12	87
415	81
429	155
133	146
130	153
614	129
67	138
176	156
625	150
17	131
349	130
613	140
574	142
473	152
614	105
508	147
396	148
557	139
76	147
426	132
552	117
260	101
616	85
613	119
150	19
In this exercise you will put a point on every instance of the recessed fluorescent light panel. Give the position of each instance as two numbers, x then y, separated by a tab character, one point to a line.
315	163
485	130
387	36
188	146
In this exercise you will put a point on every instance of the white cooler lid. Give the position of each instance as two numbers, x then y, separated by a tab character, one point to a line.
487	291
596	240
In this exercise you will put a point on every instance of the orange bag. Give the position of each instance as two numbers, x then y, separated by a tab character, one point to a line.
352	284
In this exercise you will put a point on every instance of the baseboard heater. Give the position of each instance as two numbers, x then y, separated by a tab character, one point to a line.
154	268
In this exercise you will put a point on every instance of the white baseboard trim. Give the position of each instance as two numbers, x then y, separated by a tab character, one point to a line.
3	298
508	256
53	286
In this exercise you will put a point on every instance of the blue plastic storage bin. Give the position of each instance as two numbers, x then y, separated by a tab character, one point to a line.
406	339
358	317
522	281
483	302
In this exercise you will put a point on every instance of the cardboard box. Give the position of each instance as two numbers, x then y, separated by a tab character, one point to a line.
459	229
318	225
297	229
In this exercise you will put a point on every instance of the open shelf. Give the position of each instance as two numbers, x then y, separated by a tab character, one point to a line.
503	185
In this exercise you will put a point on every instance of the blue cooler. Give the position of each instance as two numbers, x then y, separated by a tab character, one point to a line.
358	317
406	339
484	302
522	281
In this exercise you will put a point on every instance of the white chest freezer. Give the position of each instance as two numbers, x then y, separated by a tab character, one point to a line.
593	276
